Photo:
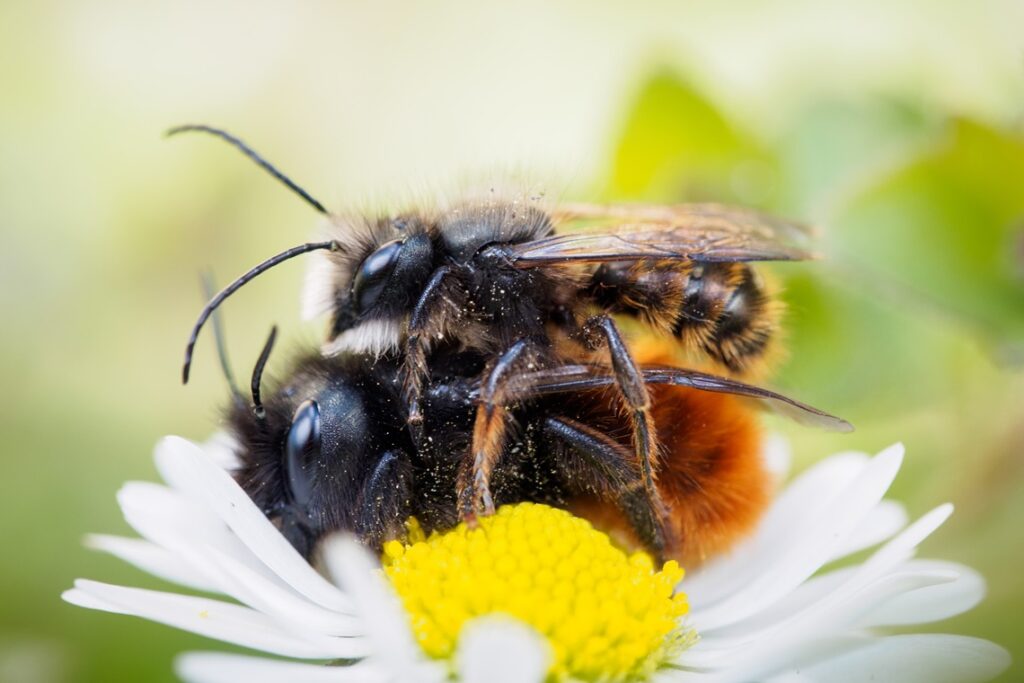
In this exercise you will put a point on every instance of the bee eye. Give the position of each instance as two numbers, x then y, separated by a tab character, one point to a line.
302	450
373	275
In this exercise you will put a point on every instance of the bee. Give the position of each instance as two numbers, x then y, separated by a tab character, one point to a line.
498	281
327	450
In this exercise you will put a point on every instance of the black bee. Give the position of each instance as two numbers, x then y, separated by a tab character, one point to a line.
492	279
327	450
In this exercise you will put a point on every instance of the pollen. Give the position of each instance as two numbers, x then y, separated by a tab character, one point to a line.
606	615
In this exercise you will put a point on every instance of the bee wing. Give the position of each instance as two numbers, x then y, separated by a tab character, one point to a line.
569	378
783	405
694	232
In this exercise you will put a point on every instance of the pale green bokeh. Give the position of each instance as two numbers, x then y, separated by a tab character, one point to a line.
895	126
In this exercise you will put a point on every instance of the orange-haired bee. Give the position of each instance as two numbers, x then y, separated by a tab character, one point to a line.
713	476
326	450
497	281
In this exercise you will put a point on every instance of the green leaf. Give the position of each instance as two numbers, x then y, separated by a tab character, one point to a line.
677	146
944	233
835	142
849	349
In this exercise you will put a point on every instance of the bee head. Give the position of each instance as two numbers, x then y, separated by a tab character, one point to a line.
308	450
370	282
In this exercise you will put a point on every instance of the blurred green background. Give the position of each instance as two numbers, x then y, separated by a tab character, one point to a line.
895	126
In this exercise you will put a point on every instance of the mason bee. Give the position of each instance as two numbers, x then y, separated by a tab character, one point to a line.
327	450
495	281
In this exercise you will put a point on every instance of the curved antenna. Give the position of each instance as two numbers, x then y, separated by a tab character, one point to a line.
218	334
252	154
234	286
257	374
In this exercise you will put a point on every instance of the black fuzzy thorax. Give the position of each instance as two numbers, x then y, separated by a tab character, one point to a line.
363	420
499	302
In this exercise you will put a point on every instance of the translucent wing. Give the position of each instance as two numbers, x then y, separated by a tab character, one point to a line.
694	232
571	378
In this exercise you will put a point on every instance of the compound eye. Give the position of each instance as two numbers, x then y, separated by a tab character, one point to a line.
373	275
302	450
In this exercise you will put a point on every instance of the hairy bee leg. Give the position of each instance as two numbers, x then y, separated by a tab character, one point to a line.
599	331
489	428
613	474
428	313
384	504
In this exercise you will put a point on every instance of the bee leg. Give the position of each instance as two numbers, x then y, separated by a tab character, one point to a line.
429	318
600	331
489	429
385	502
611	472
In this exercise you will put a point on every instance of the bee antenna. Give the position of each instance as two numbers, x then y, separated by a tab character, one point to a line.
237	284
257	374
218	335
252	154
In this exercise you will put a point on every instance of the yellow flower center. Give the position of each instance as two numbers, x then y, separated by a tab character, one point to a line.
606	615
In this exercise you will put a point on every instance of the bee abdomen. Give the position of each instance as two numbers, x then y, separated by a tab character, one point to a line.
651	292
719	309
727	313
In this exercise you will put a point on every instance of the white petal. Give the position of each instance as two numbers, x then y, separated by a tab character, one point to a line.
887	518
386	623
185	526
223	494
353	568
214	619
933	603
774	661
818	542
765	639
931	658
904	544
169	518
154	560
823	594
216	667
199	539
813	489
274	597
773	645
804	597
501	650
223	449
171	456
920	606
780	528
88	601
777	456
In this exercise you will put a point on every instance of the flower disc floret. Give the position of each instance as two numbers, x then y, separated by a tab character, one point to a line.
606	614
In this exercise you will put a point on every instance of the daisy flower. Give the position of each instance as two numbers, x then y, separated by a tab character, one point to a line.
536	594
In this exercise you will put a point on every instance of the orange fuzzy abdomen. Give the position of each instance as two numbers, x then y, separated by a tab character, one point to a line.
711	470
712	474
